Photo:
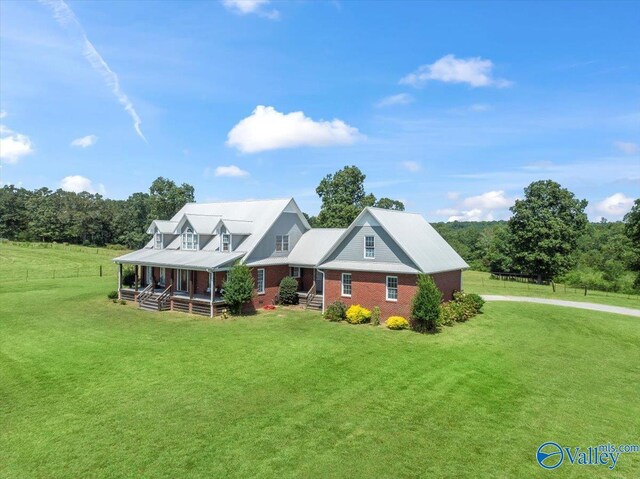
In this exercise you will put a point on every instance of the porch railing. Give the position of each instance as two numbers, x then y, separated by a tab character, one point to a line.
164	297
310	294
145	293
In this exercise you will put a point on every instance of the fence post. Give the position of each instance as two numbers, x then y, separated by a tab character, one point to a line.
54	274
585	290
101	271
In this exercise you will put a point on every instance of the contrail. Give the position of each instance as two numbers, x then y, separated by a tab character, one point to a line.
67	19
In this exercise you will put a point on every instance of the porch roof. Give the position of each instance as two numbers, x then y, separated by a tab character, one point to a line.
202	260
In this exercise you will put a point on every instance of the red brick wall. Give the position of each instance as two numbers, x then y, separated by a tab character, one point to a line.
369	290
273	276
306	279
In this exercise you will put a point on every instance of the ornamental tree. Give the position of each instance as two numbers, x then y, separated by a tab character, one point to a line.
238	288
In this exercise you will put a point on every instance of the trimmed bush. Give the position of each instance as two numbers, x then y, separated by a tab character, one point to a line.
288	293
113	295
356	314
448	314
375	316
128	277
397	322
238	288
471	300
425	306
337	311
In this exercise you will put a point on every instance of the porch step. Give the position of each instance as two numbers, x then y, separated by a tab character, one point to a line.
315	303
151	304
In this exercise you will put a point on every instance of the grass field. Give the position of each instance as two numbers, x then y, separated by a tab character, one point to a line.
28	261
89	388
479	282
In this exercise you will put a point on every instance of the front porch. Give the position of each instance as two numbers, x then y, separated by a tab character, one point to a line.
171	289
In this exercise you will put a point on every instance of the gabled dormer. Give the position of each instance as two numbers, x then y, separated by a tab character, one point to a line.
225	239
190	239
162	232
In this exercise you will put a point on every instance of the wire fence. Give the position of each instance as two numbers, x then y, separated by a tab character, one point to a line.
35	273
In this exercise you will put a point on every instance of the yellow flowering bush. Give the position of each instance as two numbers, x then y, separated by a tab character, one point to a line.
356	314
397	322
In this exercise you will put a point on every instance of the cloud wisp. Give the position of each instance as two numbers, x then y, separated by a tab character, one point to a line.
615	206
231	171
475	71
627	147
85	141
245	7
268	129
68	20
393	100
484	207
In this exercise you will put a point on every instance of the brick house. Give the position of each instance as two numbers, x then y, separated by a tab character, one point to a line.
373	262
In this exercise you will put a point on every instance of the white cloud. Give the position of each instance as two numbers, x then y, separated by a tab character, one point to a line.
85	141
3	114
67	19
475	214
449	69
244	7
453	195
231	170
13	146
489	200
78	184
480	107
411	165
627	147
268	129
399	99
615	205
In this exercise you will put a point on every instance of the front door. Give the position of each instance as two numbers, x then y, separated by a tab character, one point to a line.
319	281
183	280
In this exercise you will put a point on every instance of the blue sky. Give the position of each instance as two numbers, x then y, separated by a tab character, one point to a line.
451	107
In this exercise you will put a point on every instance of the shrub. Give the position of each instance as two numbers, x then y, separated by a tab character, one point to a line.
425	306
238	288
337	311
375	316
471	300
397	322
356	314
128	277
113	295
288	292
447	314
463	311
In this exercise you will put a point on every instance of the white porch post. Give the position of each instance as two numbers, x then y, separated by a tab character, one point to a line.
211	291
119	280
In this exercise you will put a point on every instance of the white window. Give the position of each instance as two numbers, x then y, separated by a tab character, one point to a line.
260	282
392	288
282	243
189	240
158	240
226	242
346	284
295	272
148	272
163	277
183	280
369	247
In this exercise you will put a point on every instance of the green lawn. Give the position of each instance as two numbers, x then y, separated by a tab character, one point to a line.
479	282
89	388
28	261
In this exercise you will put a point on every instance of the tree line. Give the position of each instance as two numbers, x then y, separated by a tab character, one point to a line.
548	236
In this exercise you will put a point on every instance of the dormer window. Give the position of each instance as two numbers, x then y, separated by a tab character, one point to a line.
158	239
282	243
189	240
226	242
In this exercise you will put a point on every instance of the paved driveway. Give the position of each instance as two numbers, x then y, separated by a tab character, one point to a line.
569	304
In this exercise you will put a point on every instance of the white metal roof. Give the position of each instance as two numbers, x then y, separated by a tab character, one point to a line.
238	227
377	266
203	260
415	236
314	245
165	227
422	243
202	224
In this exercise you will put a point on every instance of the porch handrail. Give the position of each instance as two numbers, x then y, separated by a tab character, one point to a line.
145	293
162	299
311	293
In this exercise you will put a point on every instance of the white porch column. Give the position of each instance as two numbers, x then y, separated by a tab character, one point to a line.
119	280
211	291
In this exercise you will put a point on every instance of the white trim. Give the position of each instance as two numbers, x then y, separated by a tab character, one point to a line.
162	277
280	243
222	236
364	253
264	281
155	240
342	293
179	286
293	274
386	287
